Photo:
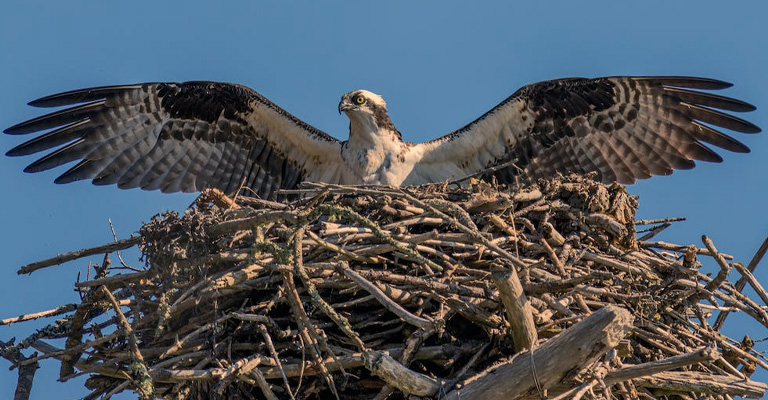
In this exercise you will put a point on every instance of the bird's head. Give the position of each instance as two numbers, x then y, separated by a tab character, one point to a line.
366	108
362	101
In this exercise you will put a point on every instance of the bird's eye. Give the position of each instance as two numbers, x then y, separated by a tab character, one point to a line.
359	99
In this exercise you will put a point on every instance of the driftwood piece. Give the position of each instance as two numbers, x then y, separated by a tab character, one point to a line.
577	346
519	310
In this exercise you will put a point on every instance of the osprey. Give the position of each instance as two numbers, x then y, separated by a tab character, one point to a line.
197	135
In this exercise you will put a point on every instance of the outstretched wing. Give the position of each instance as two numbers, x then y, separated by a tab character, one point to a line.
177	137
623	128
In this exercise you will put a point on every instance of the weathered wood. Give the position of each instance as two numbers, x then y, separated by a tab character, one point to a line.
519	310
649	368
576	347
690	381
74	255
387	368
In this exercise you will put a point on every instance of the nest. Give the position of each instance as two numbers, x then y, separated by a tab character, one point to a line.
429	292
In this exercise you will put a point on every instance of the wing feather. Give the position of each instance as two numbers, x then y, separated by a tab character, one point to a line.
623	128
176	137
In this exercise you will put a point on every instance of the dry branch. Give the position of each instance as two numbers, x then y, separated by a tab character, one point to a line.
580	345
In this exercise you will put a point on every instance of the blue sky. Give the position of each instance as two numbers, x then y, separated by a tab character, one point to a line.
439	65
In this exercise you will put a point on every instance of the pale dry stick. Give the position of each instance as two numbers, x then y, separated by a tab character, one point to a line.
705	383
74	255
579	391
263	319
395	374
144	385
717	337
381	234
725	269
735	299
442	287
355	360
340	250
218	198
253	222
117	389
680	249
240	367
758	288
658	221
276	357
341	322
114	279
388	303
412	344
621	266
635	371
49	313
120	256
547	249
260	203
180	343
308	336
264	385
471	311
742	281
653	232
182	357
232	276
473	233
77	349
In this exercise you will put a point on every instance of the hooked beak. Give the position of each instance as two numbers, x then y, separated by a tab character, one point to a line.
344	105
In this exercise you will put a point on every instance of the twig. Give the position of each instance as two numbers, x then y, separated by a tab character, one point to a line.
49	313
143	382
384	299
74	255
743	281
690	381
650	368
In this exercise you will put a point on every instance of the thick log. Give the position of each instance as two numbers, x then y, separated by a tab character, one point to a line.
519	310
576	347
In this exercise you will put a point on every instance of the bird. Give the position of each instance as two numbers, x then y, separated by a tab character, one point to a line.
192	136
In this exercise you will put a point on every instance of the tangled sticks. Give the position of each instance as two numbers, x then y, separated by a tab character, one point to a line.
373	293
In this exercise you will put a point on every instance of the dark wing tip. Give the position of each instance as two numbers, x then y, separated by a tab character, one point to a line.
16	152
81	95
15	130
692	82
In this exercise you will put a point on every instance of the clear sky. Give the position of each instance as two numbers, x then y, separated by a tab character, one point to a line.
439	65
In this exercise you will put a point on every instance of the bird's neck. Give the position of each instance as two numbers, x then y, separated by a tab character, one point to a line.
373	146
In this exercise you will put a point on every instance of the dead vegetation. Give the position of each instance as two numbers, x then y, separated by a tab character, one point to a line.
430	292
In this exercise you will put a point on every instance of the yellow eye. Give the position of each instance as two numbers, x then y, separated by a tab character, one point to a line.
359	99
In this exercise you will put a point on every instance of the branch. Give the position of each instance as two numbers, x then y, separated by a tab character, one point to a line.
576	347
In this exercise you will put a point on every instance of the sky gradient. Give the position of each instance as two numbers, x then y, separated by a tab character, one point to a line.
438	64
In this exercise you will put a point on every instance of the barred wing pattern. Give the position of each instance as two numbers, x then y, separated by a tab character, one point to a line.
177	137
623	128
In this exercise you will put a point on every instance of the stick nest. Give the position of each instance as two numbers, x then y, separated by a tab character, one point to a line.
363	293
